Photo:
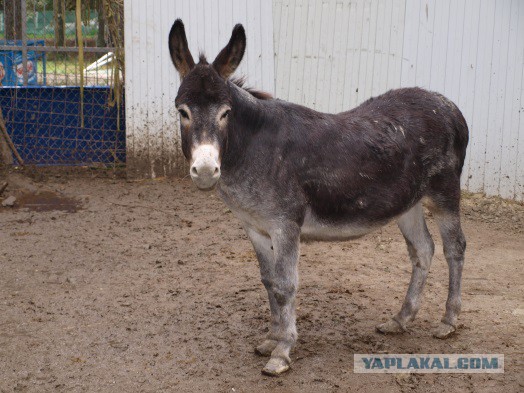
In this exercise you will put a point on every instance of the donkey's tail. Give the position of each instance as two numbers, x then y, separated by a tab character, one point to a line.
461	137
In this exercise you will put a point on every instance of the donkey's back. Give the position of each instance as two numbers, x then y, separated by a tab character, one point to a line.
372	163
423	114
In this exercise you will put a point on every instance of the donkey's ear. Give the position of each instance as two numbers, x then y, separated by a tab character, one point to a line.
180	54
229	58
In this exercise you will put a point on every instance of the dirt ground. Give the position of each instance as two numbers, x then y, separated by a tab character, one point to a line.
152	286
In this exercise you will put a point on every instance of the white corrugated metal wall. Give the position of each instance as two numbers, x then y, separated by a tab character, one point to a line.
332	55
152	81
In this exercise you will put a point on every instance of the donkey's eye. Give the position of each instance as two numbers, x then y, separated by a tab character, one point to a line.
225	114
183	113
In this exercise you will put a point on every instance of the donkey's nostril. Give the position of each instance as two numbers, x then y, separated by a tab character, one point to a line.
194	171
216	171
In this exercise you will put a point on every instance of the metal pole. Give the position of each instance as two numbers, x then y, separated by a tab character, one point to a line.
24	41
61	48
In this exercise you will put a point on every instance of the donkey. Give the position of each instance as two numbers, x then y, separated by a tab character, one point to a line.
290	173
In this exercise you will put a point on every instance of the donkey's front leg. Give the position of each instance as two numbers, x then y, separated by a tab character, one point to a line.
283	284
266	260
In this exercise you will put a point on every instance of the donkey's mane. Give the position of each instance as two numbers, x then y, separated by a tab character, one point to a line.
261	95
240	81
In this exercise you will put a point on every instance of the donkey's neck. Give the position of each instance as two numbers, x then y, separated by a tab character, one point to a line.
250	115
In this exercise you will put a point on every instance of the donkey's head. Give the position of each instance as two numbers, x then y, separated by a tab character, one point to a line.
204	102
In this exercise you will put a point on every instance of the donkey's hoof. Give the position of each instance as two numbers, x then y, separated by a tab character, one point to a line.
266	348
390	327
275	367
444	331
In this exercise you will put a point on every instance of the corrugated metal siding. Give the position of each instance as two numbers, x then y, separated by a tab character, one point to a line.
152	82
333	54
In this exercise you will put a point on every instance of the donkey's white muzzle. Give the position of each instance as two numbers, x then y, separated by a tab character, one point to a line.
205	166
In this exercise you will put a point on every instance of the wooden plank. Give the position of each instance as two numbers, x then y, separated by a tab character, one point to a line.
468	63
385	50
211	38
364	52
479	132
340	38
253	74
8	140
425	41
356	23
509	137
311	52
156	87
396	44
327	44
410	45
192	28
297	52
441	28
166	98
512	105
277	16
518	105
380	57
200	32
322	54
153	139
454	50
232	13
369	53
266	42
142	136
497	92
283	72
129	78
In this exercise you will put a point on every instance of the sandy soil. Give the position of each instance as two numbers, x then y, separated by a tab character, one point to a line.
152	286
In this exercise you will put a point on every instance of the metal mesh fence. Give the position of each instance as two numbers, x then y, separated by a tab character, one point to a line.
50	29
49	118
45	125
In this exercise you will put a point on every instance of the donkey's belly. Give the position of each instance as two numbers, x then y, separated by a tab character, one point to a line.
315	228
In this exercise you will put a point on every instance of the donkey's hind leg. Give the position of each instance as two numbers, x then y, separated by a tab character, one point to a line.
444	198
454	244
420	247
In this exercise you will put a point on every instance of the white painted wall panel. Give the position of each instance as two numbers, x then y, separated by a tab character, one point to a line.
466	101
475	51
152	82
332	54
519	172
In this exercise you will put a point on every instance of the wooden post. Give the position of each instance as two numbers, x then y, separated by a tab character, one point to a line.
80	38
6	139
6	157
